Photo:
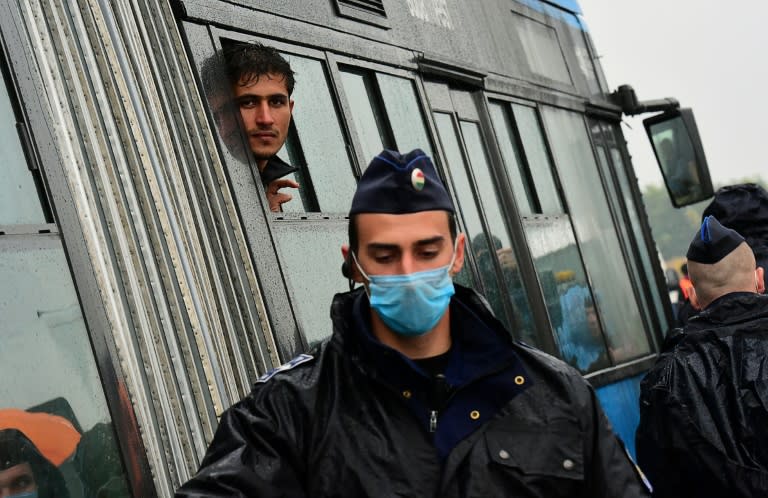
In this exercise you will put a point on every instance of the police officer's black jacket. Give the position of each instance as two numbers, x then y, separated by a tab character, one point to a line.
354	419
704	406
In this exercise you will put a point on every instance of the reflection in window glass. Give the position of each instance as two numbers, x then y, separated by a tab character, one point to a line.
513	163
597	237
535	149
368	127
476	239
542	49
518	298
566	292
291	154
404	113
46	363
634	219
19	201
321	137
312	286
613	197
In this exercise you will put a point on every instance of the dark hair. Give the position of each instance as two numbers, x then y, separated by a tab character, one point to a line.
352	230
247	62
16	449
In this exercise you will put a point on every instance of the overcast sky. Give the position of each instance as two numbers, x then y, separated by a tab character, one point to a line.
708	55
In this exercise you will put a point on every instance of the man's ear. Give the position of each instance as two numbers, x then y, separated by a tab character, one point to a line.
760	279
290	104
348	267
458	262
694	298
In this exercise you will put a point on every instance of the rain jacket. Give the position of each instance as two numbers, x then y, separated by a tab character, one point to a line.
354	418
704	406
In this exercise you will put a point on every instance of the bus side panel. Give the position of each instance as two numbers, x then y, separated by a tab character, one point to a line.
620	403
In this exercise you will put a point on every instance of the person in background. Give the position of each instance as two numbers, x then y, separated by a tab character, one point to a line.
704	405
420	391
32	447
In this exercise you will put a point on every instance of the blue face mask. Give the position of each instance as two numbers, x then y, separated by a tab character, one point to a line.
411	304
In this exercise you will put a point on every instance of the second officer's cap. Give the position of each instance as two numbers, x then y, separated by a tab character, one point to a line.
713	242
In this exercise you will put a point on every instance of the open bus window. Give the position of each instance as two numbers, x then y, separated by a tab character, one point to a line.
678	149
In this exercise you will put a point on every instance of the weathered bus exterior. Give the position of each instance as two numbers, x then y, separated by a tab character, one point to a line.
145	283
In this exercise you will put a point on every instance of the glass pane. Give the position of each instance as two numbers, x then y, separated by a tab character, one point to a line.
542	49
312	286
535	149
566	292
367	126
47	365
404	113
613	197
321	137
19	200
634	220
502	242
291	154
512	160
592	222
476	239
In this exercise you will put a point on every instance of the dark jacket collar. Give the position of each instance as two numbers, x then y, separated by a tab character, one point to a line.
480	344
275	168
731	308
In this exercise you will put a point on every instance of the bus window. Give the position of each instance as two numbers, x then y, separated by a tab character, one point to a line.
385	112
488	235
541	47
321	139
556	256
597	237
46	360
19	200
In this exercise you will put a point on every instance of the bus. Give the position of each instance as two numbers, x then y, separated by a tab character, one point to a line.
145	282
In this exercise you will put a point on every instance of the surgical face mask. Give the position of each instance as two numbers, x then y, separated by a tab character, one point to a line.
413	303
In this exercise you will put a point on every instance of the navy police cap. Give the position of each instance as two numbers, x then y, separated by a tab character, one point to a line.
397	183
713	242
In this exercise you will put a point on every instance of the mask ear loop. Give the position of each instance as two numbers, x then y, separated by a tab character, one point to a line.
362	272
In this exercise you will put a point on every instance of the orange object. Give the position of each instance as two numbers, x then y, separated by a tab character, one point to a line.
53	436
686	285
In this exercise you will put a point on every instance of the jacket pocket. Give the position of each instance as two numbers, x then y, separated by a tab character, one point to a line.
540	453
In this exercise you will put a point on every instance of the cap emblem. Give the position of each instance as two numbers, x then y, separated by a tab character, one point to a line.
417	179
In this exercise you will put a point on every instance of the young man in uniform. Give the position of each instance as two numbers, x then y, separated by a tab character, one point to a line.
704	405
420	392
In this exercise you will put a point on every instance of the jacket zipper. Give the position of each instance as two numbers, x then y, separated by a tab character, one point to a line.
433	421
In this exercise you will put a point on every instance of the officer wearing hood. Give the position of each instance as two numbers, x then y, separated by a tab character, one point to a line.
704	405
420	391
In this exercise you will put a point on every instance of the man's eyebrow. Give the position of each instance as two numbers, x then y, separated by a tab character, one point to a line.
429	241
382	246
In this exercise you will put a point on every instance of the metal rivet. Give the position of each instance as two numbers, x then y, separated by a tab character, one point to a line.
568	464
503	454
474	415
519	380
407	394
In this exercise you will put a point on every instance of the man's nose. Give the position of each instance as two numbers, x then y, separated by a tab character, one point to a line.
264	114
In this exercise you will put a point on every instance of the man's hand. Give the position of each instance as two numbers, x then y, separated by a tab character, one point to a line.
276	198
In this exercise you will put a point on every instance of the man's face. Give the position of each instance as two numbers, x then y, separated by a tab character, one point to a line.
395	244
17	480
265	108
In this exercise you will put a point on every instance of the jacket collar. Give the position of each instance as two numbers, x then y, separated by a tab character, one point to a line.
275	168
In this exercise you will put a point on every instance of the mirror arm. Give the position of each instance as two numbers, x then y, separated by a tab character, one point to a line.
626	98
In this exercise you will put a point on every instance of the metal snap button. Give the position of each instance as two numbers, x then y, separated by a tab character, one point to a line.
568	464
474	415
503	454
519	380
407	394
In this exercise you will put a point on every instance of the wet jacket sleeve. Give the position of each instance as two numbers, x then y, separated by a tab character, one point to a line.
612	472
253	454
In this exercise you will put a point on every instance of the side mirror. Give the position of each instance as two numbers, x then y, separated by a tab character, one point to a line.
680	154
